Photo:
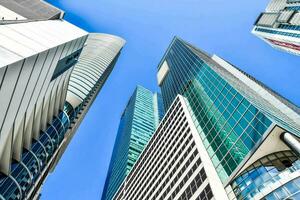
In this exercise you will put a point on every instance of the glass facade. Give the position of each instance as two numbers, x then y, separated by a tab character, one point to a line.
290	190
266	172
138	122
232	118
229	125
24	174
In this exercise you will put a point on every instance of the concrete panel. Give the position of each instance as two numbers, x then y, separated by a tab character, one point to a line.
162	73
9	82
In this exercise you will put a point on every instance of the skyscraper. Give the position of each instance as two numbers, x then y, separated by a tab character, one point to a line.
38	52
279	25
94	66
138	122
174	164
245	135
236	117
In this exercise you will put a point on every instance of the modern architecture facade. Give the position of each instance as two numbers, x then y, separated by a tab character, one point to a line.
250	133
139	120
279	25
174	164
38	54
96	62
225	135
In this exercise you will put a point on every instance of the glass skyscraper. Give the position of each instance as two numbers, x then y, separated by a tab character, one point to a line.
139	120
246	128
279	25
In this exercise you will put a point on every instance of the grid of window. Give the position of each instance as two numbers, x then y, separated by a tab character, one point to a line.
156	141
264	172
293	1
206	194
169	159
290	27
178	176
290	190
138	122
166	163
165	135
293	8
169	173
152	176
194	185
229	125
278	32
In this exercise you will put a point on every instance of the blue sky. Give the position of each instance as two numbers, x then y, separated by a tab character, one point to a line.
216	26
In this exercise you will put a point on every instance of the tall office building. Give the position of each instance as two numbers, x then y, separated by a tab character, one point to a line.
94	66
38	52
279	25
138	122
174	164
241	137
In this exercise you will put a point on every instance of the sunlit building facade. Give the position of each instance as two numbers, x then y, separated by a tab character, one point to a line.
174	164
279	25
225	135
250	133
39	52
139	120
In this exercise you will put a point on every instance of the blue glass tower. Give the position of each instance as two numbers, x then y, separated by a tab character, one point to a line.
250	133
139	120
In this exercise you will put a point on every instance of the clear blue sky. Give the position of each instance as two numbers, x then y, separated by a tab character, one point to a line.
219	27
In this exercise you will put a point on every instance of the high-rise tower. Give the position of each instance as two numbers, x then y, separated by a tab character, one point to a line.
138	122
279	25
38	53
225	135
174	164
94	66
241	121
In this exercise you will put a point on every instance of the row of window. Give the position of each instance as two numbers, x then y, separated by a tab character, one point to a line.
278	32
133	192
227	137
153	147
168	173
158	138
154	140
167	153
265	172
206	194
178	174
212	99
293	8
195	184
290	27
290	190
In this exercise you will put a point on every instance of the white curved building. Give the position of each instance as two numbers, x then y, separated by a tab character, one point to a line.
95	64
44	94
